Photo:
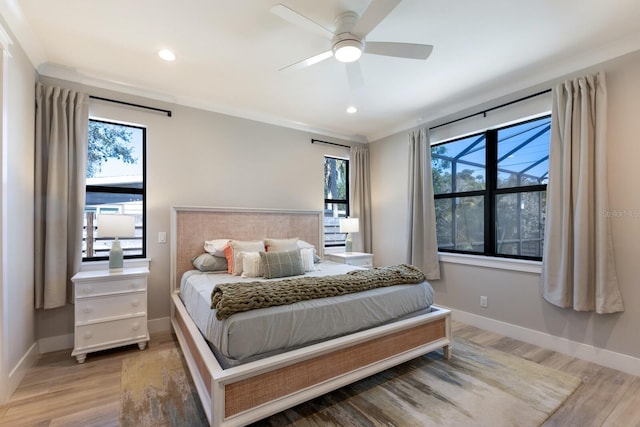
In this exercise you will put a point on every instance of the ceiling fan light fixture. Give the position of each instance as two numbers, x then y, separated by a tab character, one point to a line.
347	50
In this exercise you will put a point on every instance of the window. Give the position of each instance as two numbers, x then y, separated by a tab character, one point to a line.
490	190
336	199
115	185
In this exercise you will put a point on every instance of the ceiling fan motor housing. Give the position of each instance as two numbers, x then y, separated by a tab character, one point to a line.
346	47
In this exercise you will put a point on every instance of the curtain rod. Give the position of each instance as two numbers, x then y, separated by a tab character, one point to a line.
484	112
313	141
160	110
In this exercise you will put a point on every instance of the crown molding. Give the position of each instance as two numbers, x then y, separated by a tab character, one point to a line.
5	40
16	24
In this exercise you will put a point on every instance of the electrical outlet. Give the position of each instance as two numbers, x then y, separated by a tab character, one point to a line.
483	301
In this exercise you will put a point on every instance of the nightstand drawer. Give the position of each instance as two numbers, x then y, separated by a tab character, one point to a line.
111	307
112	286
110	333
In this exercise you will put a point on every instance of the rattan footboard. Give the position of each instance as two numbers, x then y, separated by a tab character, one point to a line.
250	392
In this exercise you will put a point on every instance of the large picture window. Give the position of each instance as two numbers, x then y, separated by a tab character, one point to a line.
490	190
115	185
336	199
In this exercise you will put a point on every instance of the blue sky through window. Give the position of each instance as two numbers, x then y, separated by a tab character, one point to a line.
523	153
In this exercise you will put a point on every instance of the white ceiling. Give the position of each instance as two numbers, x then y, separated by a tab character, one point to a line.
229	52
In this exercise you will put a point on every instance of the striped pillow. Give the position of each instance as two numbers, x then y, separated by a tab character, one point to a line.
282	264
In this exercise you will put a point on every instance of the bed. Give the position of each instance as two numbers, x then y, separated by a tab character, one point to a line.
237	392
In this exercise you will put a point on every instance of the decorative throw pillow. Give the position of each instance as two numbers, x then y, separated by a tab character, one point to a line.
216	247
282	264
232	253
207	262
307	255
251	264
306	245
279	245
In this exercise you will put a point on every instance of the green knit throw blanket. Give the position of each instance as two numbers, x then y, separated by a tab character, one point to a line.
230	298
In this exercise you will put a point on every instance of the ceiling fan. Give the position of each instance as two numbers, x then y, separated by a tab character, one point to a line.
348	40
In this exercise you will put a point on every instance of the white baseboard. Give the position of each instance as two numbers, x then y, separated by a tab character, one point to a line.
10	384
599	356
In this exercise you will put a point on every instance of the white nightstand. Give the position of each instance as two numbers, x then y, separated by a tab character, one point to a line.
359	259
110	310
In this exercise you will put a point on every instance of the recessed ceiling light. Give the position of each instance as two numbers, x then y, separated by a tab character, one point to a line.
351	109
167	55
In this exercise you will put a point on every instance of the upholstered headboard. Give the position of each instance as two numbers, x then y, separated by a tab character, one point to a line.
191	226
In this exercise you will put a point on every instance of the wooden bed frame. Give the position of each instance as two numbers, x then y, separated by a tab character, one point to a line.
252	391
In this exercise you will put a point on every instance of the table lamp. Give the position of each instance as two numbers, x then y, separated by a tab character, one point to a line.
111	225
349	225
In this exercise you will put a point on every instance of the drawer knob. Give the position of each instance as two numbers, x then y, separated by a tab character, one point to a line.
87	310
87	290
135	326
133	285
88	334
135	302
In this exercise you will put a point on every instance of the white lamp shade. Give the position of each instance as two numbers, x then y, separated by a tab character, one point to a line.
349	225
110	225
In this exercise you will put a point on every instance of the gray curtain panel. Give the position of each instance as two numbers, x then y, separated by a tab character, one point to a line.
578	265
360	197
422	247
62	120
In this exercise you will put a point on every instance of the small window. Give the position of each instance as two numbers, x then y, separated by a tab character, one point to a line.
115	185
336	199
490	190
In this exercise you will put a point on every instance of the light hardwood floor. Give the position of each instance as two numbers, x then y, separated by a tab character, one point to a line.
57	391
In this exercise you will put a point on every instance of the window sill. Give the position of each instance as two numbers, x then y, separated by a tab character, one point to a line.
525	266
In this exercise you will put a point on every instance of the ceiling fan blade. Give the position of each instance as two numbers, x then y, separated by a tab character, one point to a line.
371	17
300	20
400	50
308	62
354	74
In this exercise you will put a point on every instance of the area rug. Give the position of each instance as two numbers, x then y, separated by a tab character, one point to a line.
156	391
479	386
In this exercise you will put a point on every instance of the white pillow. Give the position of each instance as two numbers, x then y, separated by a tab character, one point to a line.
306	245
215	247
251	264
307	255
233	249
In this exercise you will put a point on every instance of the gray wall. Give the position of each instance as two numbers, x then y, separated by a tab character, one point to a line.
17	334
514	297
